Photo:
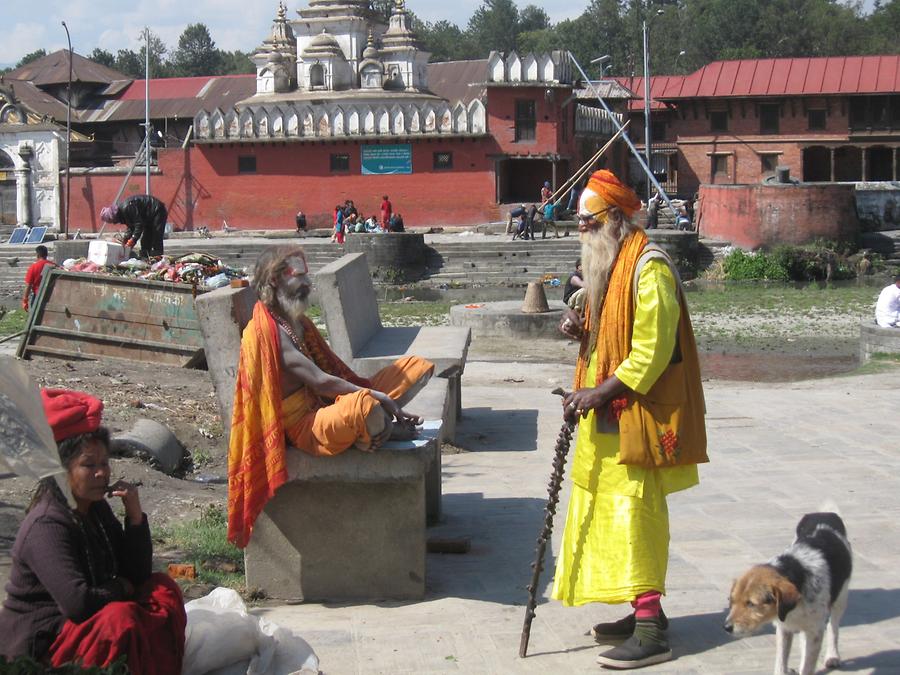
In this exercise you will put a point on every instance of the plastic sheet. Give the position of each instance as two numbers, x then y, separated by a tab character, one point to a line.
221	638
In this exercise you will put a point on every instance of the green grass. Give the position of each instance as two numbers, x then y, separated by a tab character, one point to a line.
13	322
754	297
203	542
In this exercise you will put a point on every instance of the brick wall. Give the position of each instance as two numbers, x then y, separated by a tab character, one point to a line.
743	145
751	216
501	111
202	186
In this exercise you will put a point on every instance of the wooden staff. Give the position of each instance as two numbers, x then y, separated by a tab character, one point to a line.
578	175
553	488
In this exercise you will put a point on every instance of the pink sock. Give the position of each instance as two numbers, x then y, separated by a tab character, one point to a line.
647	605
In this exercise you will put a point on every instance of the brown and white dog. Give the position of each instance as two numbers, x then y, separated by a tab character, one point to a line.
803	590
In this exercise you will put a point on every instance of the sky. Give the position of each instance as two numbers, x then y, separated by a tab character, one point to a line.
233	24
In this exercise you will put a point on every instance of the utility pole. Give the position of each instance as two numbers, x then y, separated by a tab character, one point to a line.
647	151
147	111
68	133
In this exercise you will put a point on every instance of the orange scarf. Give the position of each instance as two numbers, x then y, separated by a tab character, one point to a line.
256	449
611	336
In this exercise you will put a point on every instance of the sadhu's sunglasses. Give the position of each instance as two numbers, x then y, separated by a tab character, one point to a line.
591	217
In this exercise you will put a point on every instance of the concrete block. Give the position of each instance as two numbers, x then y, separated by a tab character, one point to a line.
70	248
349	304
223	314
336	541
873	339
435	403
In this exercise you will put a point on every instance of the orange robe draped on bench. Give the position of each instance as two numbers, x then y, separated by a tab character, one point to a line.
261	418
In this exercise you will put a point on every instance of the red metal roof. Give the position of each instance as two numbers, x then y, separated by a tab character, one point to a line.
830	75
660	85
173	87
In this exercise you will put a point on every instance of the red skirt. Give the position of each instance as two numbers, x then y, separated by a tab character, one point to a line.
148	631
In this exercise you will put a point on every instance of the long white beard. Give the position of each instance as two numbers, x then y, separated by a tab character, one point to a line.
294	307
598	255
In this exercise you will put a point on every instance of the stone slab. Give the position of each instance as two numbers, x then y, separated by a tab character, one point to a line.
506	319
873	339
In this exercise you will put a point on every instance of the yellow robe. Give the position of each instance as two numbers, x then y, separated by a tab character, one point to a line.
616	540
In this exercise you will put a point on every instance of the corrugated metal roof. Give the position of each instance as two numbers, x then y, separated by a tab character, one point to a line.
36	100
831	75
607	89
659	86
54	69
178	97
458	80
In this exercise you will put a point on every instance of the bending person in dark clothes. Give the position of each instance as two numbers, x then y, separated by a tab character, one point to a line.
144	217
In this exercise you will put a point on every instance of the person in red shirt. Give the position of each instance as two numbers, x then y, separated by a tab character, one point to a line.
387	210
34	275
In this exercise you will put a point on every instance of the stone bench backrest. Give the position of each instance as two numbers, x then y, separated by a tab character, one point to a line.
349	304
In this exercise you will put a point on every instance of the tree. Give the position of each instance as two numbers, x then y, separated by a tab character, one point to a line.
158	65
31	56
130	63
494	26
445	41
235	63
196	54
532	18
103	57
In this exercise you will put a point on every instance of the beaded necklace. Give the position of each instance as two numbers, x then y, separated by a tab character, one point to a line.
110	554
301	347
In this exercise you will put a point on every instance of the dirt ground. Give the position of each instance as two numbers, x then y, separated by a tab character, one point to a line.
181	399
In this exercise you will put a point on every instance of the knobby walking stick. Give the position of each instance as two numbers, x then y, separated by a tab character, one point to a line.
553	488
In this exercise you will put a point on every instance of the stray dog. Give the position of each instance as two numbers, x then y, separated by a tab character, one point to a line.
803	590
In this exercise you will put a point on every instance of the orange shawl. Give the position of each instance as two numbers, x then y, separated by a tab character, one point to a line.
611	336
256	450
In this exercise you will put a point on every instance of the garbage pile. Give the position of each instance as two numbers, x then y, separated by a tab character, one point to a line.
196	269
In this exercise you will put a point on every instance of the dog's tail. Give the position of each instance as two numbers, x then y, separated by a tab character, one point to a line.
828	516
829	506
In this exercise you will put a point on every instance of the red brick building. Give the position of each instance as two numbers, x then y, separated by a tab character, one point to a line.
834	119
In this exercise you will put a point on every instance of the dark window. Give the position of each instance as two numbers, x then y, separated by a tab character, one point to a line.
246	164
525	120
719	166
718	120
658	131
443	160
340	163
816	120
769	116
858	112
767	163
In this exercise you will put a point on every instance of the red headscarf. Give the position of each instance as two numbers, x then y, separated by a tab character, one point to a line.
70	413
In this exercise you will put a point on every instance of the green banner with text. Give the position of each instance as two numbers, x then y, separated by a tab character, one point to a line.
385	159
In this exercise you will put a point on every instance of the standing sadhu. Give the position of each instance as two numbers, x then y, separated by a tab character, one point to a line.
640	410
144	217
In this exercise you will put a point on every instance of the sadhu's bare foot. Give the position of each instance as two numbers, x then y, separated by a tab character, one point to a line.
404	431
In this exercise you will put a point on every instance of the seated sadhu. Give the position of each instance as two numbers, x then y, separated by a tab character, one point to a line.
292	388
81	588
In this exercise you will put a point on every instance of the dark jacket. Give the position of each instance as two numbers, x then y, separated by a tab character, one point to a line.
67	568
142	211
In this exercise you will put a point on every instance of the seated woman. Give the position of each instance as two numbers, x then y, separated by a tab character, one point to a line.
81	588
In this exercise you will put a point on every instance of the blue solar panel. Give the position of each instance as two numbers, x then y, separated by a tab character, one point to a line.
36	236
18	235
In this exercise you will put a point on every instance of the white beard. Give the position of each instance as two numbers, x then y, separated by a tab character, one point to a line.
293	307
598	255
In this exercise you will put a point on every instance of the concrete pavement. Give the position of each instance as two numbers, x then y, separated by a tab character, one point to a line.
778	451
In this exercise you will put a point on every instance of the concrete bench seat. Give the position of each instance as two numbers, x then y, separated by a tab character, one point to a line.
349	527
347	297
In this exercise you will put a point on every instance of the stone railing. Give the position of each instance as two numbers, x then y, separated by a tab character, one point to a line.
551	67
330	120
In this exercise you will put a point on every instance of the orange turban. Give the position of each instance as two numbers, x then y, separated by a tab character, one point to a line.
604	190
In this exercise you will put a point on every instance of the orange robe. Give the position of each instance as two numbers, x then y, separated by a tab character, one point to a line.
262	421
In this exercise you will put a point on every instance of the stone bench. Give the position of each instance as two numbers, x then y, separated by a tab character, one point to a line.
350	527
873	339
347	297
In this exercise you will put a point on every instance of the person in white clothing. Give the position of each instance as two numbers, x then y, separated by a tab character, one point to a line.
887	309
